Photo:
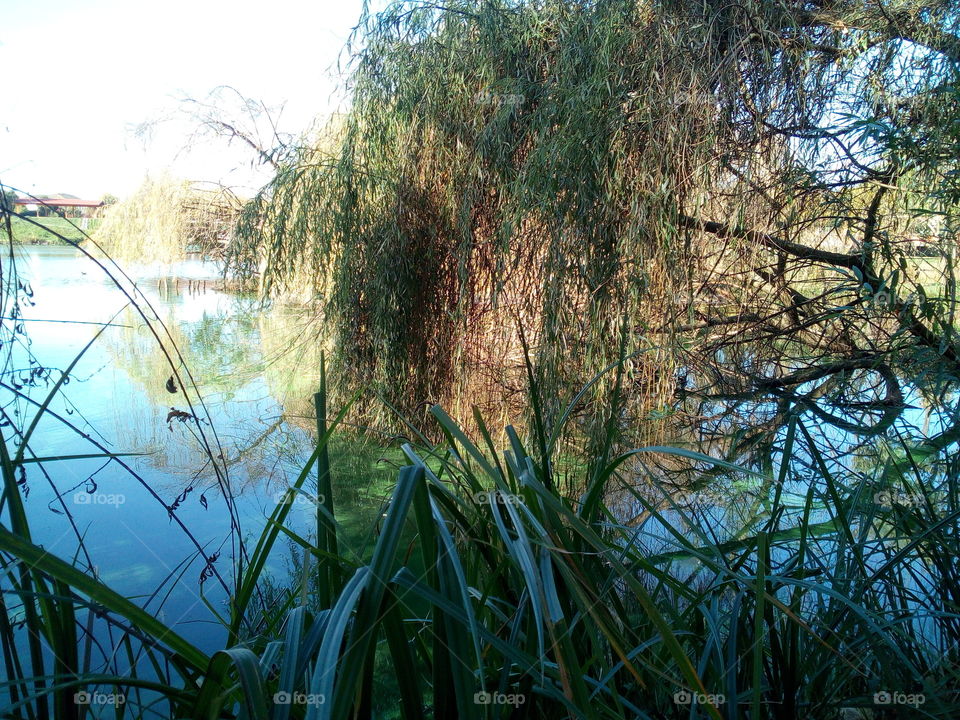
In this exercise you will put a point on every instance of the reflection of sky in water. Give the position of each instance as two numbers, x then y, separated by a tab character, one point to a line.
116	394
727	506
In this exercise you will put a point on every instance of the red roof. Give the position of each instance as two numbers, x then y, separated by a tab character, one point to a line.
58	202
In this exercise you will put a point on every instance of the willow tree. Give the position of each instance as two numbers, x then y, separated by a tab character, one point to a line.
693	179
166	218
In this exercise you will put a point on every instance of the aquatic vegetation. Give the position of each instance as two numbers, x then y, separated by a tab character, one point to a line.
487	588
509	579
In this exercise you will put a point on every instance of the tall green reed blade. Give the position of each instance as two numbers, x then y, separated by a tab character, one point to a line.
628	576
459	652
458	439
322	680
569	660
247	582
404	661
292	640
522	554
36	627
443	700
450	676
356	662
759	610
17	683
64	645
340	669
187	657
216	689
328	571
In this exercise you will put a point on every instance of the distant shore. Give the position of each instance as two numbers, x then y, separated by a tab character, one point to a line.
39	230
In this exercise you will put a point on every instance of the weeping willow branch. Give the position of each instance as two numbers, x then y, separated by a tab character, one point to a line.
165	219
563	165
801	252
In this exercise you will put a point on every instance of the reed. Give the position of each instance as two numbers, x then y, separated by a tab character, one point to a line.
553	603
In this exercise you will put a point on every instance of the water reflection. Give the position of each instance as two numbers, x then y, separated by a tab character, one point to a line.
256	370
154	531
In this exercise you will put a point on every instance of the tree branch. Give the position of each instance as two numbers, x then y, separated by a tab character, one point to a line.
846	260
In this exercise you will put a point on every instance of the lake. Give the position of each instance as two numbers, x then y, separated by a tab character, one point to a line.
118	396
148	531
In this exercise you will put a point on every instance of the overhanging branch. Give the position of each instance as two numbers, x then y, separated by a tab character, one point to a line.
846	260
909	319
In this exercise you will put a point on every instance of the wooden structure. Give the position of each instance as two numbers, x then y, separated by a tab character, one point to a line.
59	205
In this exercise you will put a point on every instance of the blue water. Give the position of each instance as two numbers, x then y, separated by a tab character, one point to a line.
117	396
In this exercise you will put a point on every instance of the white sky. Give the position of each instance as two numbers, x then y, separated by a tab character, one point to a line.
79	75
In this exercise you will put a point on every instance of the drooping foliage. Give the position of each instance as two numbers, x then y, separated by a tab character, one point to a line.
167	218
699	178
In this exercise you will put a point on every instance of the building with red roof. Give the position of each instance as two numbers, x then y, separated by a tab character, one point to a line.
58	205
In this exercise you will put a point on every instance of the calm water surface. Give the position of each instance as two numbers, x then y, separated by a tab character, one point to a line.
259	415
118	396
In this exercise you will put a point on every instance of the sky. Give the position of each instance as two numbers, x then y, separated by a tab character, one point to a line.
82	75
